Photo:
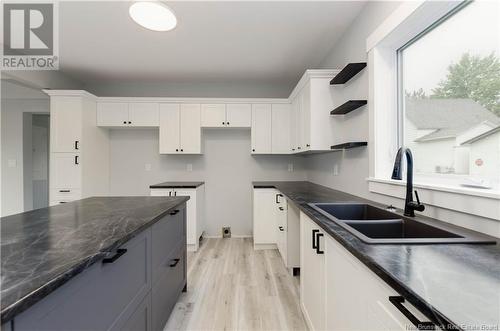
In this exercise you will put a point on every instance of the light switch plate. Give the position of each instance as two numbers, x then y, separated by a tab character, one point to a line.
189	167
147	167
290	167
336	170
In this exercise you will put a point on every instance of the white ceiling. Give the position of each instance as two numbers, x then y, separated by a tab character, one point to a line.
214	42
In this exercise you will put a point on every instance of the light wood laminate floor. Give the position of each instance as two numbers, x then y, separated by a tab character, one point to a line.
233	287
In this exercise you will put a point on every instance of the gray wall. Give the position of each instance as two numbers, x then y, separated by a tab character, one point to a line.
226	167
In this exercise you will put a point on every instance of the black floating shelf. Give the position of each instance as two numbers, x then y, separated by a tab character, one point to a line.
348	107
348	72
349	145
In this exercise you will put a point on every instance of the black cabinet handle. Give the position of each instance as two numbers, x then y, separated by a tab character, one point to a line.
175	193
318	251
176	149
276	198
76	159
227	123
223	123
281	208
253	149
62	201
298	147
119	252
314	232
307	145
281	228
76	144
175	212
124	122
129	122
64	191
398	301
173	264
182	150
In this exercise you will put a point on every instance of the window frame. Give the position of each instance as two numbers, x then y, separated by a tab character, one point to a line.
409	22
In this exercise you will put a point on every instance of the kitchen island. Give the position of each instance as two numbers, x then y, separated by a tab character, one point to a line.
99	263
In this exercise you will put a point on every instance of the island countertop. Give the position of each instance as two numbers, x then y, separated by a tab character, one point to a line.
454	284
44	248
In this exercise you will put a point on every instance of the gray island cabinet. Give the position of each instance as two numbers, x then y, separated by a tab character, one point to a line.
134	286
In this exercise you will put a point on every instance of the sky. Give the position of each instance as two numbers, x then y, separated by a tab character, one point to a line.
474	29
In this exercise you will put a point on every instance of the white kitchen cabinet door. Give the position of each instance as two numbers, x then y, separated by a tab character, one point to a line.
305	117
169	128
65	171
213	115
239	115
280	128
65	124
299	132
190	214
261	129
264	218
190	129
143	114
293	126
312	273
112	114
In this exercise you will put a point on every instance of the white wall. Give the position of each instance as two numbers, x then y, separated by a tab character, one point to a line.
353	165
12	190
226	167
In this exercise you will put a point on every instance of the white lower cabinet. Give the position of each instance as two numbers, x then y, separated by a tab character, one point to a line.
194	211
264	218
65	171
338	292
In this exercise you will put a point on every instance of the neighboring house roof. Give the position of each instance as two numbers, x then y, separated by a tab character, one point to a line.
482	136
447	117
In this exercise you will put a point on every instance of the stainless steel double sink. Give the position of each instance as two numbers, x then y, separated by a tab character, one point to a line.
375	225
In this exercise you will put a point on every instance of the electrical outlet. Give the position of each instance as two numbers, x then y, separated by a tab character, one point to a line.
189	167
336	169
290	167
147	167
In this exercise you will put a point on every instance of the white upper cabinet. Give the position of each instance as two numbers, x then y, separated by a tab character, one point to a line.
190	129
143	114
169	128
226	115
239	115
261	129
180	131
66	124
112	114
123	114
213	115
280	140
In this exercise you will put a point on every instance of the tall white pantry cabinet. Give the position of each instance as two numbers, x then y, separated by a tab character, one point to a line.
79	150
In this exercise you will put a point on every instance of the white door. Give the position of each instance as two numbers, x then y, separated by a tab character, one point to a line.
112	114
169	128
239	115
190	129
305	117
312	273
281	128
65	171
261	129
190	214
65	124
264	216
213	115
143	114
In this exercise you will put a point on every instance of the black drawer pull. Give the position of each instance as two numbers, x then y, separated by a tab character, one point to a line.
175	212
314	238
173	264
398	301
64	191
76	159
281	208
318	251
76	144
281	228
119	252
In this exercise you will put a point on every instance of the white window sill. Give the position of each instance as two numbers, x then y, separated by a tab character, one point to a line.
467	200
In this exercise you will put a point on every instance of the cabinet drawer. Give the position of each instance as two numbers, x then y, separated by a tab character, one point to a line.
97	297
167	289
168	233
138	319
65	194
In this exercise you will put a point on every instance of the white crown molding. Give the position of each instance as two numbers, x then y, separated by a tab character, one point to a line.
69	93
312	73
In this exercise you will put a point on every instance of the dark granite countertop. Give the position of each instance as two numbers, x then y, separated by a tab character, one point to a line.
44	248
177	185
449	283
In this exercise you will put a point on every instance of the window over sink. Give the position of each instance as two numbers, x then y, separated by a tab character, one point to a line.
449	98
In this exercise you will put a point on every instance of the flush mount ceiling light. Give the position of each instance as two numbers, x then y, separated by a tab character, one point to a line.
153	15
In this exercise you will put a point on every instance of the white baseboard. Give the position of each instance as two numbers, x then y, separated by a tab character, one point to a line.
232	236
